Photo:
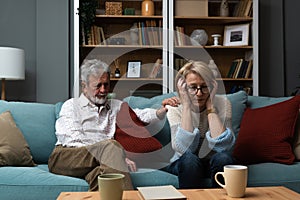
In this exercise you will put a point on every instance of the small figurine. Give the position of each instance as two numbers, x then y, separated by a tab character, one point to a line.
224	9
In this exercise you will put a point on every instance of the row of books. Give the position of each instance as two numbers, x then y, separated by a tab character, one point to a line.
150	32
244	8
96	36
178	63
180	38
240	68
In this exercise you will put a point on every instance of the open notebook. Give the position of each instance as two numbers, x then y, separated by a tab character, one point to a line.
160	192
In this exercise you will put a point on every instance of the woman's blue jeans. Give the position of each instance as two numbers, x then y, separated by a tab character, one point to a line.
192	170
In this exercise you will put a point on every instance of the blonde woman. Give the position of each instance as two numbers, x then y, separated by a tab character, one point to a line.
200	127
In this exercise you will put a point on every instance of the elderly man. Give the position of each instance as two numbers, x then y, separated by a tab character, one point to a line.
86	127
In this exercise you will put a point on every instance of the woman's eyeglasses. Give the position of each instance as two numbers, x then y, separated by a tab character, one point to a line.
194	90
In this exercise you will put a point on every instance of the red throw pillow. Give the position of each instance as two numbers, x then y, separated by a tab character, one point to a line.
266	133
132	134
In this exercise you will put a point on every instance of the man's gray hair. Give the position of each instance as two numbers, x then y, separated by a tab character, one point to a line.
93	67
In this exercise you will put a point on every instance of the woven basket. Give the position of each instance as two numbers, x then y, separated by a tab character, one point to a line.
113	8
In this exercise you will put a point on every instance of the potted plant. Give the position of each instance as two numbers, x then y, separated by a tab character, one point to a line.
87	13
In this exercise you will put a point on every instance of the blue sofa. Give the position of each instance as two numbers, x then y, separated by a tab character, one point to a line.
37	123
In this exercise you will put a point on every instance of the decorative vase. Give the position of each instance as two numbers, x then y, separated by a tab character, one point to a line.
224	9
147	8
117	73
199	37
216	39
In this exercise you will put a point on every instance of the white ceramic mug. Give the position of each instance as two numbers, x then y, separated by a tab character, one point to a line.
235	177
111	186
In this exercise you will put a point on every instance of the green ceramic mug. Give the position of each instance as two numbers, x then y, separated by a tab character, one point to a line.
111	186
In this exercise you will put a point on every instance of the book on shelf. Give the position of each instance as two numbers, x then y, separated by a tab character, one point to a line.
243	8
237	68
160	192
180	38
102	36
140	33
232	68
178	63
241	73
156	68
248	73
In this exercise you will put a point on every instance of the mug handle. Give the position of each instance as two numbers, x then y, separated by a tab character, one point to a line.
216	178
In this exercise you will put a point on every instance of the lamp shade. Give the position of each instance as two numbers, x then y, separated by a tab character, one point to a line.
12	63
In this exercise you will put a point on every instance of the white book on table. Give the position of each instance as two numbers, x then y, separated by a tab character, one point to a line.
165	192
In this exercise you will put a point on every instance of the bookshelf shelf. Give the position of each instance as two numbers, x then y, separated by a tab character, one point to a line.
137	79
214	47
124	46
236	79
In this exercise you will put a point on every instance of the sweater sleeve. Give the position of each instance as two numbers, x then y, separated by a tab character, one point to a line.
222	143
185	140
147	115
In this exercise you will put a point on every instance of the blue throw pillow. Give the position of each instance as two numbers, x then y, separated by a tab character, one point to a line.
238	103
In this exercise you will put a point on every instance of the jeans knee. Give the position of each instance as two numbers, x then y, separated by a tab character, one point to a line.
190	161
221	159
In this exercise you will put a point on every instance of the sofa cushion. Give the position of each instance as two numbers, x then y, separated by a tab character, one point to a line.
238	102
14	150
153	177
17	182
274	174
160	128
132	134
37	123
266	133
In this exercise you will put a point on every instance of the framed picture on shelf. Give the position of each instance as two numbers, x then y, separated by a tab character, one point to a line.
236	35
134	69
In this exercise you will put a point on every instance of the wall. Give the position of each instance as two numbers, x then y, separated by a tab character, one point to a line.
279	42
271	48
18	29
292	43
52	50
40	27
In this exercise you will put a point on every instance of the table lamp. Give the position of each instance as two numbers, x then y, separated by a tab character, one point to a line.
12	66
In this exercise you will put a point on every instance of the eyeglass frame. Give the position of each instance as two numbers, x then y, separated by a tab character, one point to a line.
197	89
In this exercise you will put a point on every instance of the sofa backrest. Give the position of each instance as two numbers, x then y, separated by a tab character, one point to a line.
37	123
261	101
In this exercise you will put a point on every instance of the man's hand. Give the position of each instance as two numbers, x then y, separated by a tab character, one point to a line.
131	165
161	113
172	101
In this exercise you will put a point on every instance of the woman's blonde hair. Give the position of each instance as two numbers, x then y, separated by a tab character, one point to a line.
197	67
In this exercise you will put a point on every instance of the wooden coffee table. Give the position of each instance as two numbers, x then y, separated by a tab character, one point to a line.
252	193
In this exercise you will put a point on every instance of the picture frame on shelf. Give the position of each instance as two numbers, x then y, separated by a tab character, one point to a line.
134	69
236	35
